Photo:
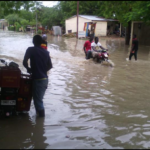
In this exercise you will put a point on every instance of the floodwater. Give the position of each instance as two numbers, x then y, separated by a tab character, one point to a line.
88	105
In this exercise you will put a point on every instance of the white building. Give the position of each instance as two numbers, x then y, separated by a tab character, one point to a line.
3	22
97	25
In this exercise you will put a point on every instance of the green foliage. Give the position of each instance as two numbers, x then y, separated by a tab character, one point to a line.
39	32
140	11
27	15
11	28
32	23
124	11
24	22
12	18
9	7
17	25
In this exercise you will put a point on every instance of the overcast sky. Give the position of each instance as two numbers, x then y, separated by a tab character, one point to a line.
49	3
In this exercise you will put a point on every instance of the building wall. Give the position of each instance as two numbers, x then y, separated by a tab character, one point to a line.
71	24
143	33
101	29
5	23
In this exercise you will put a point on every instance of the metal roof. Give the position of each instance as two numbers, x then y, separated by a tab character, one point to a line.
93	18
2	20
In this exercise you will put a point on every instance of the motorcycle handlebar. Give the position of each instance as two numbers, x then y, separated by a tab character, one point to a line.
2	60
103	50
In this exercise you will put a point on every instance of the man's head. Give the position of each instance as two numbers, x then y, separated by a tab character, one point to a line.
91	38
96	39
44	37
134	36
37	40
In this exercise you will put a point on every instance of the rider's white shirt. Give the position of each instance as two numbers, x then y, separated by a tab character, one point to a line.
97	46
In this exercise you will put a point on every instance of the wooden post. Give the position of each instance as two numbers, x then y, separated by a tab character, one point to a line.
131	34
120	29
77	17
127	37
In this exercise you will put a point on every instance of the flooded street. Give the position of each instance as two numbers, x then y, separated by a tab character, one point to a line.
87	105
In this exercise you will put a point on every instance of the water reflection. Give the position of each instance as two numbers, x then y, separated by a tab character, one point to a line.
88	105
20	132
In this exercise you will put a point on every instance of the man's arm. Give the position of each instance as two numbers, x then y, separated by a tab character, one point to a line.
49	64
84	48
25	61
132	49
99	44
133	43
103	48
93	48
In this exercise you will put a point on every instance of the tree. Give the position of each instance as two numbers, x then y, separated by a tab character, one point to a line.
28	15
12	18
140	12
9	7
126	11
50	16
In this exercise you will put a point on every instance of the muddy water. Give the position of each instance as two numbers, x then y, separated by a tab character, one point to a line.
88	105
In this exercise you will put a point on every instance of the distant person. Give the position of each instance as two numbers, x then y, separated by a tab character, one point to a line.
108	30
44	42
40	63
3	27
87	48
44	34
134	48
92	33
88	33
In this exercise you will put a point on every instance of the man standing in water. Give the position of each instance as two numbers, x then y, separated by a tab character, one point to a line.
40	63
134	48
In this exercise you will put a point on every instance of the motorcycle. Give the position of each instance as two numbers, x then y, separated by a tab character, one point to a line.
102	56
15	89
117	32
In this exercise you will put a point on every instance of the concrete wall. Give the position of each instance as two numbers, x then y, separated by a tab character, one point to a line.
5	23
71	24
143	33
101	29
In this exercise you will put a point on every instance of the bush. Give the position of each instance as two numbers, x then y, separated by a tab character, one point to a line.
39	32
17	26
11	28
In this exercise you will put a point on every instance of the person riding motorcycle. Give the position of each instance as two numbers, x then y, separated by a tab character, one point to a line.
87	48
96	48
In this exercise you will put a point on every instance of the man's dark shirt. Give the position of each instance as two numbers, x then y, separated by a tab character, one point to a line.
40	62
135	44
